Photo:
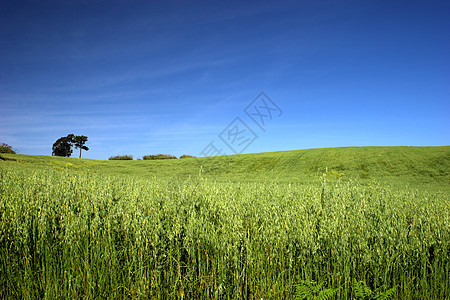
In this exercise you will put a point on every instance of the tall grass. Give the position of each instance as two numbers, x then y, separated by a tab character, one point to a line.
79	235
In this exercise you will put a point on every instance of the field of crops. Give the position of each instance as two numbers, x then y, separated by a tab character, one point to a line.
67	234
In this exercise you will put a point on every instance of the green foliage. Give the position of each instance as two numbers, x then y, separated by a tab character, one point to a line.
121	157
5	148
79	141
158	156
313	291
362	291
7	158
187	156
335	174
425	168
67	233
63	146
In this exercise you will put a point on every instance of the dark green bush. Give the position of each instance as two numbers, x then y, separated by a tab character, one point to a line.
5	148
159	156
186	156
121	157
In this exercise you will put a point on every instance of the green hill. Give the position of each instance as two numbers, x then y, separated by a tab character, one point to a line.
394	165
256	226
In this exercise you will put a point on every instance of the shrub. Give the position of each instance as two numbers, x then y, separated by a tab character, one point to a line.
121	157
186	156
159	156
5	148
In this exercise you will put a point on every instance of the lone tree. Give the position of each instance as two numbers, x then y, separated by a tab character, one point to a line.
79	142
63	146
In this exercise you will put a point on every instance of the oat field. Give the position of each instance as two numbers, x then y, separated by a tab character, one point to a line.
68	234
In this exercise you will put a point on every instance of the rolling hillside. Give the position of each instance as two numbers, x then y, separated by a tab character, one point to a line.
253	226
395	165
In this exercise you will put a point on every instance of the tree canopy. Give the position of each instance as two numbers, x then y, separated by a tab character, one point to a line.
5	148
79	142
63	146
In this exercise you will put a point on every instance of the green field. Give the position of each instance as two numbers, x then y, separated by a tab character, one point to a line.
254	226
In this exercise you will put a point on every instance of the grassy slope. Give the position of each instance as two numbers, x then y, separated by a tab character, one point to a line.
414	166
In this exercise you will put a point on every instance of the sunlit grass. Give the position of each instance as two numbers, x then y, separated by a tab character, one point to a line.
72	234
399	167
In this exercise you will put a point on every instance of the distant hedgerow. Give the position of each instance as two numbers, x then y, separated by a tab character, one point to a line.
121	157
186	156
159	156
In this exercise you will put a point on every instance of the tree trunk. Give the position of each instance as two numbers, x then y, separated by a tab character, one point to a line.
80	152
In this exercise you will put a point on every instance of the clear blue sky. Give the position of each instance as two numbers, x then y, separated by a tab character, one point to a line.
147	77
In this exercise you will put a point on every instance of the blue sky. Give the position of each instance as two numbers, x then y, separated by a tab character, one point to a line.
147	77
